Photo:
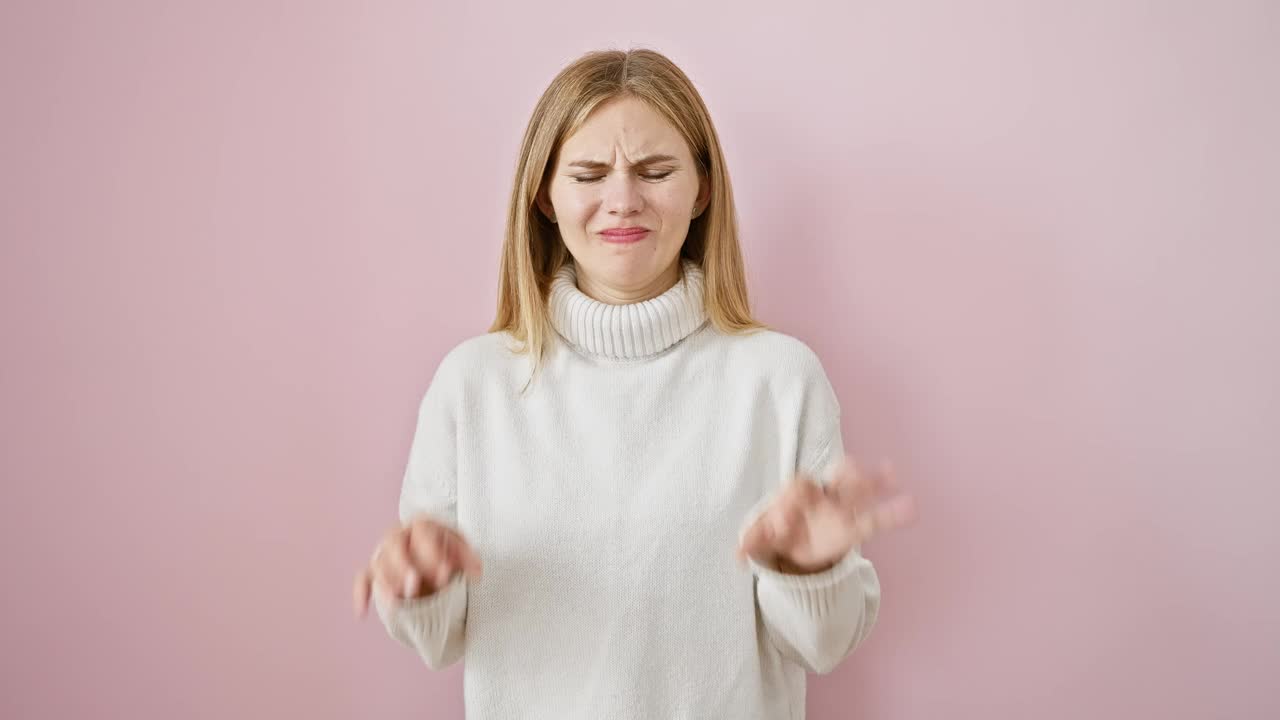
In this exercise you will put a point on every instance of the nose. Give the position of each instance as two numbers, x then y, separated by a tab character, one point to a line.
623	196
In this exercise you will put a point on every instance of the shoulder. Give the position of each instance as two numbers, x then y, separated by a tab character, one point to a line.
783	366
478	351
473	360
775	355
788	384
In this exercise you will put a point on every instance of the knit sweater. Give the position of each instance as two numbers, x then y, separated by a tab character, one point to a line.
606	504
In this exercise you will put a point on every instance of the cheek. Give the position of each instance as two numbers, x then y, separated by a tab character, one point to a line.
672	201
575	203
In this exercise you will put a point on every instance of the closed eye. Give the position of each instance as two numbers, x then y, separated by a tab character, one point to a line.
647	176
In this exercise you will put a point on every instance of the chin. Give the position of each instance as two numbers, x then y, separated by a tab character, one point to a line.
629	271
630	266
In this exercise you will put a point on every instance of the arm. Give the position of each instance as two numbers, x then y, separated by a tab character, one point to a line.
817	613
817	620
435	625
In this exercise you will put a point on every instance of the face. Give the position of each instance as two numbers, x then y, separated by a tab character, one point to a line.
623	192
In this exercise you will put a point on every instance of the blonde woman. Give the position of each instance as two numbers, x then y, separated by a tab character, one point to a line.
652	482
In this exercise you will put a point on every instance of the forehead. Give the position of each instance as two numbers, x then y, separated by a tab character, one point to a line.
626	123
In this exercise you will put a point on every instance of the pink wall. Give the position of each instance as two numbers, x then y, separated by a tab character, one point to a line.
1038	250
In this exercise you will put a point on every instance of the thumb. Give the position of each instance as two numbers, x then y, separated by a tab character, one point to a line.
360	592
757	541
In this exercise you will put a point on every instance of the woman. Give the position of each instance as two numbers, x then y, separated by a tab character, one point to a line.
622	432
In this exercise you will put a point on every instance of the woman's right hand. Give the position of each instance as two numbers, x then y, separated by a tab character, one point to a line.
413	561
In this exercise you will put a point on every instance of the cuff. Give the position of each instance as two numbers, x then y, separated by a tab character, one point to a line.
819	593
424	616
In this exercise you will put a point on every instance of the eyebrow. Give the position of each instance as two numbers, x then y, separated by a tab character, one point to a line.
647	160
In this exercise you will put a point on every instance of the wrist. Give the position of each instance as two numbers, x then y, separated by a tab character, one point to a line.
786	567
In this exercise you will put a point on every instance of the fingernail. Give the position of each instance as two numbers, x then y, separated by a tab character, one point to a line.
410	583
388	599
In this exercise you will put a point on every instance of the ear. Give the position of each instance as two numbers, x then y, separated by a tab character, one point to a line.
704	195
543	201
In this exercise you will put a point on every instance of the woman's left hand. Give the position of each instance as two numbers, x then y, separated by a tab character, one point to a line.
808	528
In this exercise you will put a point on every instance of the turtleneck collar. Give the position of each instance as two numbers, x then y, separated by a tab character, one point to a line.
630	331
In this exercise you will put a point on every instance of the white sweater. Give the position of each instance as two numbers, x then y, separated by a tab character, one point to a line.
606	506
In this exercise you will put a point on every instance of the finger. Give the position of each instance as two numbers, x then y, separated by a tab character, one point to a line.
444	554
773	526
854	488
802	491
893	513
385	595
450	549
896	512
757	540
394	562
787	519
463	556
412	583
848	483
426	554
360	592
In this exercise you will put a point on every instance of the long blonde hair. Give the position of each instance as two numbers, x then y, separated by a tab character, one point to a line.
532	251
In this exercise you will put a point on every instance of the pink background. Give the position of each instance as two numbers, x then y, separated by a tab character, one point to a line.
1036	244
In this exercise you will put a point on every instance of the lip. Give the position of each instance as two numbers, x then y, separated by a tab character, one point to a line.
624	235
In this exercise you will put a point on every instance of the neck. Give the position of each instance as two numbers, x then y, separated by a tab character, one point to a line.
615	295
630	331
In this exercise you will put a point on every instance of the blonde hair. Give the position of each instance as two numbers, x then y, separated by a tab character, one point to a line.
532	251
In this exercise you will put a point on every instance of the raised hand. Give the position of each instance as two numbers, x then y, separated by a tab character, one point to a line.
414	560
807	528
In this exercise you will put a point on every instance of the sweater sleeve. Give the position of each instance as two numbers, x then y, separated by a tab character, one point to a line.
817	620
433	626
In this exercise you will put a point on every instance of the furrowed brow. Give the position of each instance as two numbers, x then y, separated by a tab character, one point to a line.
647	160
